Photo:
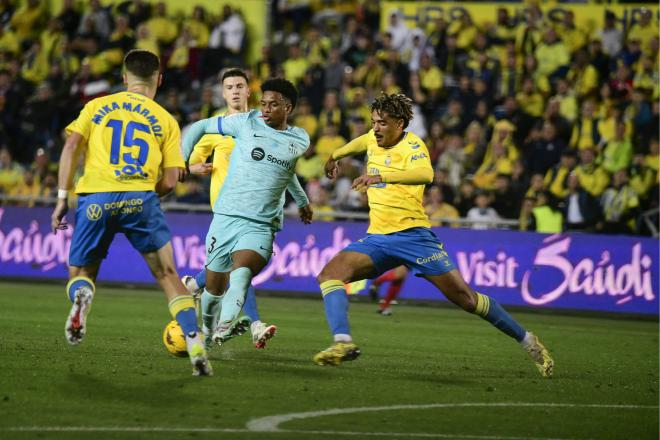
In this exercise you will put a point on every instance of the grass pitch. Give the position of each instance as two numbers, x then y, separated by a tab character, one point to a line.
424	373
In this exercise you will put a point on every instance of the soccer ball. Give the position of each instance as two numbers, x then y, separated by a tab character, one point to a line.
175	340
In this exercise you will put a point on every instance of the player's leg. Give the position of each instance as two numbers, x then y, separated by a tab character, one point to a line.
400	274
345	267
195	283
80	290
261	331
452	285
246	264
387	277
211	299
181	305
143	223
91	239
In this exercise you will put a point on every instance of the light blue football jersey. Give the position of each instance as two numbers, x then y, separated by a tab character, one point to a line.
261	166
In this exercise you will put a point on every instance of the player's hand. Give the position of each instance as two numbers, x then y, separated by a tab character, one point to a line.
362	183
57	221
183	174
331	168
201	169
306	214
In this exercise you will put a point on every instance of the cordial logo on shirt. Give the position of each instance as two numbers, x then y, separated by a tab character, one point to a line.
258	153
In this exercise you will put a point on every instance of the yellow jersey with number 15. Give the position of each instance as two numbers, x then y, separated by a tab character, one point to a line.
129	138
396	207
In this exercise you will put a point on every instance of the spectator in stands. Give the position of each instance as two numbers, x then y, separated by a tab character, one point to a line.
398	30
644	30
611	35
581	210
536	186
453	160
620	204
526	218
482	213
573	36
545	152
593	178
557	177
310	166
98	16
583	75
437	209
505	203
552	55
329	141
547	218
26	190
11	173
618	151
465	199
441	181
530	100
585	132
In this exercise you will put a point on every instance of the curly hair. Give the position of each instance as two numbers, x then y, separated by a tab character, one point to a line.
281	85
396	105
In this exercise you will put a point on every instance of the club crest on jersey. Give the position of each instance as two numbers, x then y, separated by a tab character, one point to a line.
388	159
258	154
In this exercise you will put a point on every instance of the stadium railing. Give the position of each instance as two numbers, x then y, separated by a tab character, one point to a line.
289	212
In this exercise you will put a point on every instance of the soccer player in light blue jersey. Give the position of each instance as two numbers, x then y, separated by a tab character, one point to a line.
249	210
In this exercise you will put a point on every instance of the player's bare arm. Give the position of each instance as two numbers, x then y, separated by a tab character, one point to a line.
65	181
167	183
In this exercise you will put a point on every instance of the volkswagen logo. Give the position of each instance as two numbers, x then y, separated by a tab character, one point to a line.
94	212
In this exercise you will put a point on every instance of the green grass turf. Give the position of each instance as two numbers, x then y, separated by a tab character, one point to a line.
122	377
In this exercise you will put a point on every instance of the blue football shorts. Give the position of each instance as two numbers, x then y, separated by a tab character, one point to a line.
228	234
100	216
416	248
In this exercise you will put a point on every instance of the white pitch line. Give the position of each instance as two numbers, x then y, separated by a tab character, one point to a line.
271	423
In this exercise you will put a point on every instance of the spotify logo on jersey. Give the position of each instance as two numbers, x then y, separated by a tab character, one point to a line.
258	153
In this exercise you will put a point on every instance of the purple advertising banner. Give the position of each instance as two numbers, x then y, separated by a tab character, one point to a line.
580	271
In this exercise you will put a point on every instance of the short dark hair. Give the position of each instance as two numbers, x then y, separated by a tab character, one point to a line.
283	86
396	105
232	72
141	63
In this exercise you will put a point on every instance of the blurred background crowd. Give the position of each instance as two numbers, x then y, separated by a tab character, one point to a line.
527	117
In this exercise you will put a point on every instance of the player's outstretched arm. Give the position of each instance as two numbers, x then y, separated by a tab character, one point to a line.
415	176
356	146
195	133
298	193
65	181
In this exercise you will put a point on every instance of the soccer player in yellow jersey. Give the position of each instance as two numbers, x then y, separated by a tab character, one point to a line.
132	156
236	93
398	167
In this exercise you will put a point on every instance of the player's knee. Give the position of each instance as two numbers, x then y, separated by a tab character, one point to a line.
332	273
164	271
465	298
468	300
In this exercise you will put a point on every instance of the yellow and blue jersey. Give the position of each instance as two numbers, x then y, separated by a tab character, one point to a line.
221	148
395	207
129	138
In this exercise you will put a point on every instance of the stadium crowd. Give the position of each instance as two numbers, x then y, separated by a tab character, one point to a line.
525	118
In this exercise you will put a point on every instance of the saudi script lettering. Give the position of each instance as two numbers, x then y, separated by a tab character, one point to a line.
32	246
307	260
628	281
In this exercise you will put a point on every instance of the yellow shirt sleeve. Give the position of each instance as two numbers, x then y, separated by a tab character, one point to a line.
172	157
356	146
83	124
202	149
